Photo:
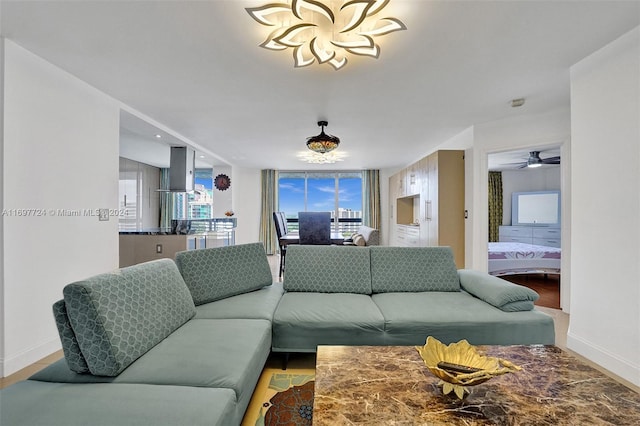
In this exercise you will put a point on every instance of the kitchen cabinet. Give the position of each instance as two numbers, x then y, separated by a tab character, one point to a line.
139	199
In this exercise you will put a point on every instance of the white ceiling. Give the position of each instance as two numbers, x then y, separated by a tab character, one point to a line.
196	67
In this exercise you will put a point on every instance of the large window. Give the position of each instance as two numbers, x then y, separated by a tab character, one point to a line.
337	192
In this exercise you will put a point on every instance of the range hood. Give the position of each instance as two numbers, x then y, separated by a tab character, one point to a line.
182	165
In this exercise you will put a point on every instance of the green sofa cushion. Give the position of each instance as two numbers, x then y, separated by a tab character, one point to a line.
33	403
117	317
70	347
409	269
327	269
203	353
453	316
258	304
305	320
500	293
216	273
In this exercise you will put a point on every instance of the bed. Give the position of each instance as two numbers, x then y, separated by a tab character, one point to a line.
509	258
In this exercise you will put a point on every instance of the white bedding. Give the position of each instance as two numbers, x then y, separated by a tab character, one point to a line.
520	258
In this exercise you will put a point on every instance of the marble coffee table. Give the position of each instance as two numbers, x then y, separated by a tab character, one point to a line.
390	385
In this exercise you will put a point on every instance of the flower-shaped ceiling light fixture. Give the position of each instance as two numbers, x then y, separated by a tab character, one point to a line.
327	30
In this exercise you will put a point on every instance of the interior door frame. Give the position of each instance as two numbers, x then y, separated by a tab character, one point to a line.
565	198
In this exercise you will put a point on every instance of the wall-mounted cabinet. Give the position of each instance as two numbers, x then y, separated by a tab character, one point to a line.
412	180
430	211
407	210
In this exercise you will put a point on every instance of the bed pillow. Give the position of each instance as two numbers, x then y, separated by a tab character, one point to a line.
500	293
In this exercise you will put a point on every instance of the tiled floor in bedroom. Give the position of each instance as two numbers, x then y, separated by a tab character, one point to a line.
561	321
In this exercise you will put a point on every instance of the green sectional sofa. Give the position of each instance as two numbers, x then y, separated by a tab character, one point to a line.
185	342
398	296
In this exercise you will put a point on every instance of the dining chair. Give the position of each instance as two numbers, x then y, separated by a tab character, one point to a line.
280	222
314	228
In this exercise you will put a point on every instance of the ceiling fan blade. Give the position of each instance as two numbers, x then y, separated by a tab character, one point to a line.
522	166
551	160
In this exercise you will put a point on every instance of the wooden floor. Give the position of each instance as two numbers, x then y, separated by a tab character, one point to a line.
546	285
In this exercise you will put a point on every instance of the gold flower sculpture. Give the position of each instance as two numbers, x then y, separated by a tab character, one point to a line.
459	365
325	31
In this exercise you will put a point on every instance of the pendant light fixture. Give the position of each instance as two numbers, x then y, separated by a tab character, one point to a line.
323	142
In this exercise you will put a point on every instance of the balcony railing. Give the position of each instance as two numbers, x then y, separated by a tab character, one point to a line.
346	226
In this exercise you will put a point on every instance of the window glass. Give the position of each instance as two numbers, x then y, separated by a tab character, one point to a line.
337	192
197	204
349	202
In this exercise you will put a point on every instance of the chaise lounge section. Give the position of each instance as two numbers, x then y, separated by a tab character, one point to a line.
185	342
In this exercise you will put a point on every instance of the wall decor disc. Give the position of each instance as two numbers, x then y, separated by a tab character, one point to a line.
222	182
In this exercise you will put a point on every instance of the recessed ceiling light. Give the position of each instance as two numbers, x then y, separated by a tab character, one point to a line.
202	156
158	136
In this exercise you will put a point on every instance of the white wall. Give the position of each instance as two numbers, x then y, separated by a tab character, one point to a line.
247	204
605	264
3	323
60	152
223	200
540	179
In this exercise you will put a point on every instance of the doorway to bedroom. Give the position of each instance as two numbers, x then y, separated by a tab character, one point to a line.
524	220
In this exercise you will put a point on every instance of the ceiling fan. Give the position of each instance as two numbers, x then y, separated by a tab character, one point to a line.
534	160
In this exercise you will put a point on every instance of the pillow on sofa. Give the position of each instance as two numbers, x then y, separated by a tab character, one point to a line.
413	269
358	240
117	317
70	348
217	273
500	293
371	235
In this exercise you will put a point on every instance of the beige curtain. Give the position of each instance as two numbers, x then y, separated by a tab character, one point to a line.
371	198
269	204
495	204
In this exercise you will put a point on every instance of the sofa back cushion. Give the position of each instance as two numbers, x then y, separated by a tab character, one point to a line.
217	273
413	269
72	353
327	269
117	317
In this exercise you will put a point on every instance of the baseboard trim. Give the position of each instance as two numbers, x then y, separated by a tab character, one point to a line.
601	356
9	366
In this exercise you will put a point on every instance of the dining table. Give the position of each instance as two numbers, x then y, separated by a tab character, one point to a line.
336	238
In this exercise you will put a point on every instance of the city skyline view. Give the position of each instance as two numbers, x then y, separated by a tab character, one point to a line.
320	194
